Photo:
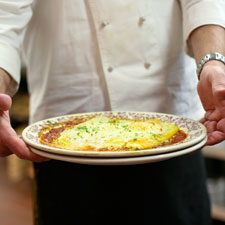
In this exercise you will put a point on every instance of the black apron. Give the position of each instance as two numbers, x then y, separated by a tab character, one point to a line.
167	192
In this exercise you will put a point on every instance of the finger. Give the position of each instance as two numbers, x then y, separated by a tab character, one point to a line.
36	158
208	114
11	142
20	149
215	138
214	114
5	152
5	102
211	126
203	120
221	125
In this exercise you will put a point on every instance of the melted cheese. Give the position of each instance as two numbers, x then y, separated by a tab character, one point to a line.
103	133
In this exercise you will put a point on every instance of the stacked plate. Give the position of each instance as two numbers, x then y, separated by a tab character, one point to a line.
195	140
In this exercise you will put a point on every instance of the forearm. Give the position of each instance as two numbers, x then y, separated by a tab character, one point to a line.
207	39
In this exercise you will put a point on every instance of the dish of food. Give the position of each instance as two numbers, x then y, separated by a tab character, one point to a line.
114	134
121	160
111	134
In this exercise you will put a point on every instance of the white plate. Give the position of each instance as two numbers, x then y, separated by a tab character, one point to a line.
122	160
196	132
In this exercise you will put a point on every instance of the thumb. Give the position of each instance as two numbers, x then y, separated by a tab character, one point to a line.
218	86
5	102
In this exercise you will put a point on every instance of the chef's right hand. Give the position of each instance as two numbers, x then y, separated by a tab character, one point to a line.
10	142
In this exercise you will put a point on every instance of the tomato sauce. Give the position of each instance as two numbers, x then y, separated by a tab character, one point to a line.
178	137
54	133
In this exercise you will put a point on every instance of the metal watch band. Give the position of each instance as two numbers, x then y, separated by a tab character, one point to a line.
208	57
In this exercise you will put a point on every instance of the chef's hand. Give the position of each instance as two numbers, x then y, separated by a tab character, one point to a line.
9	141
211	90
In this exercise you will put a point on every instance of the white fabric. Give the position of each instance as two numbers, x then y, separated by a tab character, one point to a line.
97	55
14	16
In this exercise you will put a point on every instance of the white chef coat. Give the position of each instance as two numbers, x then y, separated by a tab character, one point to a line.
98	55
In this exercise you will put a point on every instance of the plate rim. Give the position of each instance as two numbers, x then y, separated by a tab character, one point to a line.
112	154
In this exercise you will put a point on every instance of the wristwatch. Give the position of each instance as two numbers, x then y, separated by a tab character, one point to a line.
208	57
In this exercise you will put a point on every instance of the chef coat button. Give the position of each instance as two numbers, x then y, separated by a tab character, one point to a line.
147	65
141	21
104	24
110	69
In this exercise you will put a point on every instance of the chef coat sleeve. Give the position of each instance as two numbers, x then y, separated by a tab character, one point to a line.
197	13
14	16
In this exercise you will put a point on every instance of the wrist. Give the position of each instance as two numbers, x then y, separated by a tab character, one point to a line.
214	63
210	59
213	70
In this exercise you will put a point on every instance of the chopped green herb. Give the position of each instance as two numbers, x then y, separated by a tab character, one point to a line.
83	128
112	121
